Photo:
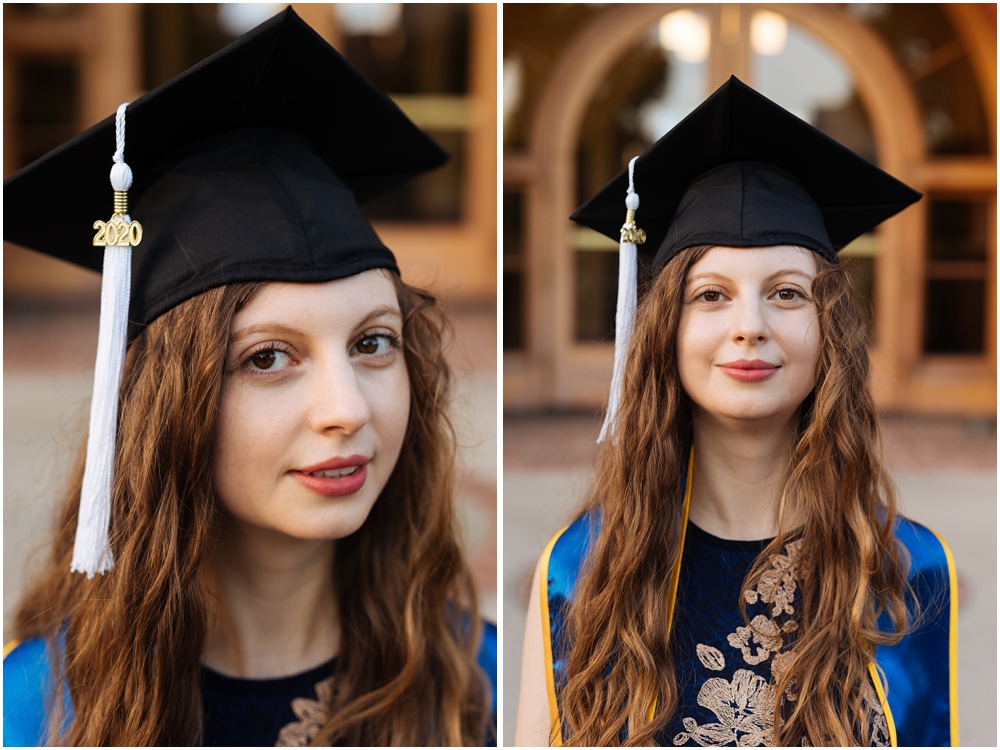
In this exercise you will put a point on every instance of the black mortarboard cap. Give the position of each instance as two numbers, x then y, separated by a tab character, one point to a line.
740	171
248	166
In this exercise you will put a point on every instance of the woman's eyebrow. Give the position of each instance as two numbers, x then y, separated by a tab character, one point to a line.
790	272
707	275
255	330
379	312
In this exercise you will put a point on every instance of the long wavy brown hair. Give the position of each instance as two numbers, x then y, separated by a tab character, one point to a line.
850	568
406	672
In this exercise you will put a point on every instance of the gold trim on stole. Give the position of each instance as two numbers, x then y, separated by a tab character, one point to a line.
952	639
550	682
547	625
880	691
952	656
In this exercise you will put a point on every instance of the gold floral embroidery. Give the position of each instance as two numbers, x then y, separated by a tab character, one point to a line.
743	708
764	632
312	716
878	728
777	584
710	657
779	664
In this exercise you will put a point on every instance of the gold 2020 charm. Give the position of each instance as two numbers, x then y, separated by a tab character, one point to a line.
631	233
116	231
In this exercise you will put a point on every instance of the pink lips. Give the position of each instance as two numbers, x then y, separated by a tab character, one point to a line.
334	486
749	370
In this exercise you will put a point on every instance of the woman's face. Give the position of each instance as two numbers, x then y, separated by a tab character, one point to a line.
749	342
314	406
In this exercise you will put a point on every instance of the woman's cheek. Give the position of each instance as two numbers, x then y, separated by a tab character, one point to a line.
394	409
684	352
805	332
696	345
248	436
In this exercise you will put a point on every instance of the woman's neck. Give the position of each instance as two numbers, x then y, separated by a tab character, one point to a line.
277	613
739	473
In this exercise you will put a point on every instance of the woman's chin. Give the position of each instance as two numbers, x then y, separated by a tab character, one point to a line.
329	524
768	402
310	518
747	411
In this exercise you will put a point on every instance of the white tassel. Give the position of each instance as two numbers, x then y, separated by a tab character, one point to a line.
91	552
628	264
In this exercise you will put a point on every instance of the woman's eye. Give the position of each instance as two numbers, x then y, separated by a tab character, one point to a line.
788	295
267	359
711	296
374	344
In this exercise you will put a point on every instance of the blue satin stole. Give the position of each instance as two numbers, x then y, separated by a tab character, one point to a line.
919	685
27	689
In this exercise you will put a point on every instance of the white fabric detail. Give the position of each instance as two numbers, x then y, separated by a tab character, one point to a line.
91	552
628	271
632	197
121	174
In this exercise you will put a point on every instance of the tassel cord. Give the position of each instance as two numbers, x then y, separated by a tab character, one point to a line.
91	550
628	272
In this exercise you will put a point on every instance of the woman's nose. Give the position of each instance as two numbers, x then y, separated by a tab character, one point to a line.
339	401
749	325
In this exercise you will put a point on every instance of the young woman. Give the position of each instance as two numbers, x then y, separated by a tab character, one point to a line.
281	565
739	574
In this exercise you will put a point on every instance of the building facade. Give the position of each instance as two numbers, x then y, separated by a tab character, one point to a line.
910	87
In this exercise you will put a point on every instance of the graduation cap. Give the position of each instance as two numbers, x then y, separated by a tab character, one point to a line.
739	171
249	166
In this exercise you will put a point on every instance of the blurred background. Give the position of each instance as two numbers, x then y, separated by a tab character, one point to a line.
61	75
911	87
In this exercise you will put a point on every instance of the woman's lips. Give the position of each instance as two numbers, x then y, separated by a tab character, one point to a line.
334	486
749	370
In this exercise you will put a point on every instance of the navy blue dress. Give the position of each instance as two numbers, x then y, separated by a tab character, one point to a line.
287	711
724	668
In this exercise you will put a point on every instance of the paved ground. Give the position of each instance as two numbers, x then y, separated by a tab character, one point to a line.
48	358
945	470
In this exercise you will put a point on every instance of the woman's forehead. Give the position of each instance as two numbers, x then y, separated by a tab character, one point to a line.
754	262
339	301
